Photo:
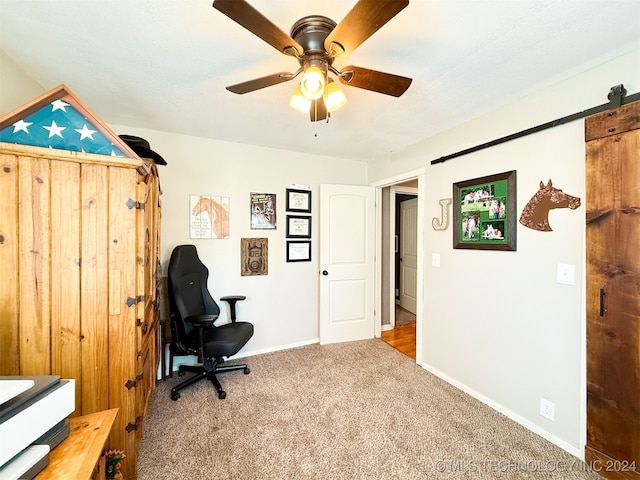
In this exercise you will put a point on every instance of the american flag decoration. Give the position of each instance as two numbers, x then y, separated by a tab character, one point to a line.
58	119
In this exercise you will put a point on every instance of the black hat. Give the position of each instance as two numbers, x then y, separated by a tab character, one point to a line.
142	148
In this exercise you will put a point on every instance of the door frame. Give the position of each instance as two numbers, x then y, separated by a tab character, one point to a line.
420	176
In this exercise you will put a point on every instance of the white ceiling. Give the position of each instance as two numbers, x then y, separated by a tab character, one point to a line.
163	64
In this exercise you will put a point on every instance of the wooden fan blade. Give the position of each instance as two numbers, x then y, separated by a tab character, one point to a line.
241	12
262	82
374	80
318	110
364	19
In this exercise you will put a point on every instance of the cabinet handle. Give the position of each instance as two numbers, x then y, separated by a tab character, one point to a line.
602	309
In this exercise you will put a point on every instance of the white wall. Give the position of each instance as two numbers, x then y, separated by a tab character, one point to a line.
16	88
283	306
497	324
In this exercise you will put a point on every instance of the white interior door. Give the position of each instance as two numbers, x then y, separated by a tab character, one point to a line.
408	254
347	254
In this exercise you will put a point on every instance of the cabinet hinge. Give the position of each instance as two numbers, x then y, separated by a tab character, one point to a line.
132	383
133	426
133	204
134	300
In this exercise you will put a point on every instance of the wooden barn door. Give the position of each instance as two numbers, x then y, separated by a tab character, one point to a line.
613	292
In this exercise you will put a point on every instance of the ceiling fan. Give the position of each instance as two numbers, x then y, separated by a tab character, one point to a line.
315	41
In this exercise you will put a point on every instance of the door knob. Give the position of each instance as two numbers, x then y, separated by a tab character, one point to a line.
325	273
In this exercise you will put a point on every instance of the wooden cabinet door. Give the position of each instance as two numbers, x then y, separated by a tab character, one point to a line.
613	292
123	318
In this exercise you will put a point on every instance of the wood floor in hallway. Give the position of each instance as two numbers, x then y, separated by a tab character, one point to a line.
402	338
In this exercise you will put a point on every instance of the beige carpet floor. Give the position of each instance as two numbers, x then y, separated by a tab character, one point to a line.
360	410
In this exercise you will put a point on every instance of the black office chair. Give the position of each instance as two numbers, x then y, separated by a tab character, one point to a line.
192	313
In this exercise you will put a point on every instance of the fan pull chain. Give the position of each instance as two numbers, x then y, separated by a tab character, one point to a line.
315	107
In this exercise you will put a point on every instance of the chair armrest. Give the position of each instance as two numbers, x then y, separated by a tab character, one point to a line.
201	321
232	300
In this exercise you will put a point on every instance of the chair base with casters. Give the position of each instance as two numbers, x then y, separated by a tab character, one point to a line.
202	373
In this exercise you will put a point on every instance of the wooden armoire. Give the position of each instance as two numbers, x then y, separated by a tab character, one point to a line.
613	292
79	246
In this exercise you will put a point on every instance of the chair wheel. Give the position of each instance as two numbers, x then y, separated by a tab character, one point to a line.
246	371
181	373
222	395
175	396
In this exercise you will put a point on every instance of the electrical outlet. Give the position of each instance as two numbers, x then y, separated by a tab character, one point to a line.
547	409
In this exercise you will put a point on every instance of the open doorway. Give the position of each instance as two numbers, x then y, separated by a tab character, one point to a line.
401	242
403	335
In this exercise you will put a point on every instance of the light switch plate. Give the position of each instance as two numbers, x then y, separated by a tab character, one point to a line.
566	274
435	259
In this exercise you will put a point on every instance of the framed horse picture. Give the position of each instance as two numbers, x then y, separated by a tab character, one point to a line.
209	216
484	212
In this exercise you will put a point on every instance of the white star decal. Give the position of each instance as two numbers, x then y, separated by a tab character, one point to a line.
21	125
54	129
59	105
85	132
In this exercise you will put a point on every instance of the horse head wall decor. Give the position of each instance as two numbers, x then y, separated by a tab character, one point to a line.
218	214
536	213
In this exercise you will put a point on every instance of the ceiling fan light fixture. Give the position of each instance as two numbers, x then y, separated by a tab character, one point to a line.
315	41
333	96
313	82
299	101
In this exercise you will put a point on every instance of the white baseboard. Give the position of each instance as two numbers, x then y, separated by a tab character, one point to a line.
251	353
528	424
190	359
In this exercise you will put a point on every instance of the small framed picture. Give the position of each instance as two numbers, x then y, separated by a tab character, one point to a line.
298	226
299	251
263	211
298	200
